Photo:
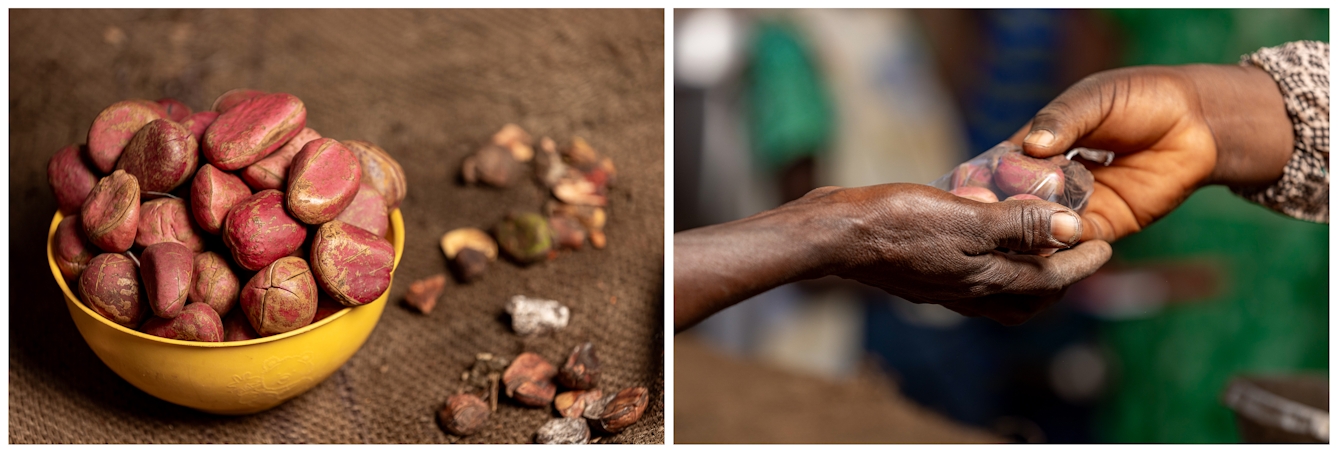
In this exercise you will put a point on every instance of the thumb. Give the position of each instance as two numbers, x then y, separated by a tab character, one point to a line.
1067	118
1029	225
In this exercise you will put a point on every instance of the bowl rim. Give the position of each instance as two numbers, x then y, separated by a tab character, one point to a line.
396	226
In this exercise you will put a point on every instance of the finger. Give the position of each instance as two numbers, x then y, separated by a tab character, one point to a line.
1034	275
1072	115
1028	225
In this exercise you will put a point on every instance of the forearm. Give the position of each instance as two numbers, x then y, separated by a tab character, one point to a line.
720	265
1244	109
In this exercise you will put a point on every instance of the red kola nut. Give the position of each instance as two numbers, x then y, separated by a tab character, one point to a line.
252	130
71	177
322	180
114	127
213	193
162	155
213	283
272	172
971	175
197	322
258	231
71	249
281	297
165	268
168	220
351	264
110	216
176	110
197	123
367	211
232	98
1018	173
381	171
110	287
237	328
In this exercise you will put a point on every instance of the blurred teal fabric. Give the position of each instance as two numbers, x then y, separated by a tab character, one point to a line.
1274	316
790	112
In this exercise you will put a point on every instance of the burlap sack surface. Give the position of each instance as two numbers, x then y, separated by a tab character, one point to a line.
429	87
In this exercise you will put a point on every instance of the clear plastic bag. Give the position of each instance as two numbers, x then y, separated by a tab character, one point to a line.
1005	172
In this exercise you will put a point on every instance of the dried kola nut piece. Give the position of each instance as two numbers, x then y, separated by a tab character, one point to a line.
110	217
162	155
258	231
568	232
197	322
367	211
492	165
237	328
114	127
980	194
213	193
580	154
168	220
110	286
525	237
381	171
322	180
1018	173
281	297
469	251
197	122
574	403
563	431
623	410
166	269
531	315
176	110
71	249
423	294
529	380
272	171
232	98
581	371
351	264
71	177
515	139
214	283
463	415
252	130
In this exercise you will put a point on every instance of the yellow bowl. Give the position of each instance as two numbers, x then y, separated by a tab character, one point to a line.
235	377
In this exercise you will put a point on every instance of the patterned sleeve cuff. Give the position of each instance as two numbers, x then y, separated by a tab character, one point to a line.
1301	70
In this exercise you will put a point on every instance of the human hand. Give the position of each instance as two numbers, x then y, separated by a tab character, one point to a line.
928	246
1172	129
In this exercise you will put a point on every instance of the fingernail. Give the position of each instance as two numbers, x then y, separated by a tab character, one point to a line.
1042	138
1064	227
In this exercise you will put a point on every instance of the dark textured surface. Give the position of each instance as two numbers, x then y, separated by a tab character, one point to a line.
428	86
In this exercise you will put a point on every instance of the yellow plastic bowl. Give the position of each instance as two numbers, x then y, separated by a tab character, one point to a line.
235	377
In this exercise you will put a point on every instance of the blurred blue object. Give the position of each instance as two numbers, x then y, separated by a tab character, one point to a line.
1020	70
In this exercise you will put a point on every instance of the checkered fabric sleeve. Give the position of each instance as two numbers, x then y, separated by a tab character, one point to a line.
1301	70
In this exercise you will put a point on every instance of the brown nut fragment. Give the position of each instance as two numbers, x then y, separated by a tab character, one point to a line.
381	171
563	431
591	217
492	165
423	294
114	127
581	371
71	249
214	283
166	269
196	322
568	233
168	220
624	409
469	251
272	171
516	140
110	216
281	297
574	403
463	415
110	286
580	191
213	193
71	177
529	380
525	237
580	154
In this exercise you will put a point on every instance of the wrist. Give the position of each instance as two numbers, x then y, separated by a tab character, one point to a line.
1244	110
821	227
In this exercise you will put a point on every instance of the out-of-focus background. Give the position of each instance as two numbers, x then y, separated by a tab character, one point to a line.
769	104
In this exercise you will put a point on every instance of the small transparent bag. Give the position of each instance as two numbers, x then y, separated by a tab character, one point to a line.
1005	172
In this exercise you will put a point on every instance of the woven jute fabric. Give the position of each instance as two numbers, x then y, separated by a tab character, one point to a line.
428	86
724	399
